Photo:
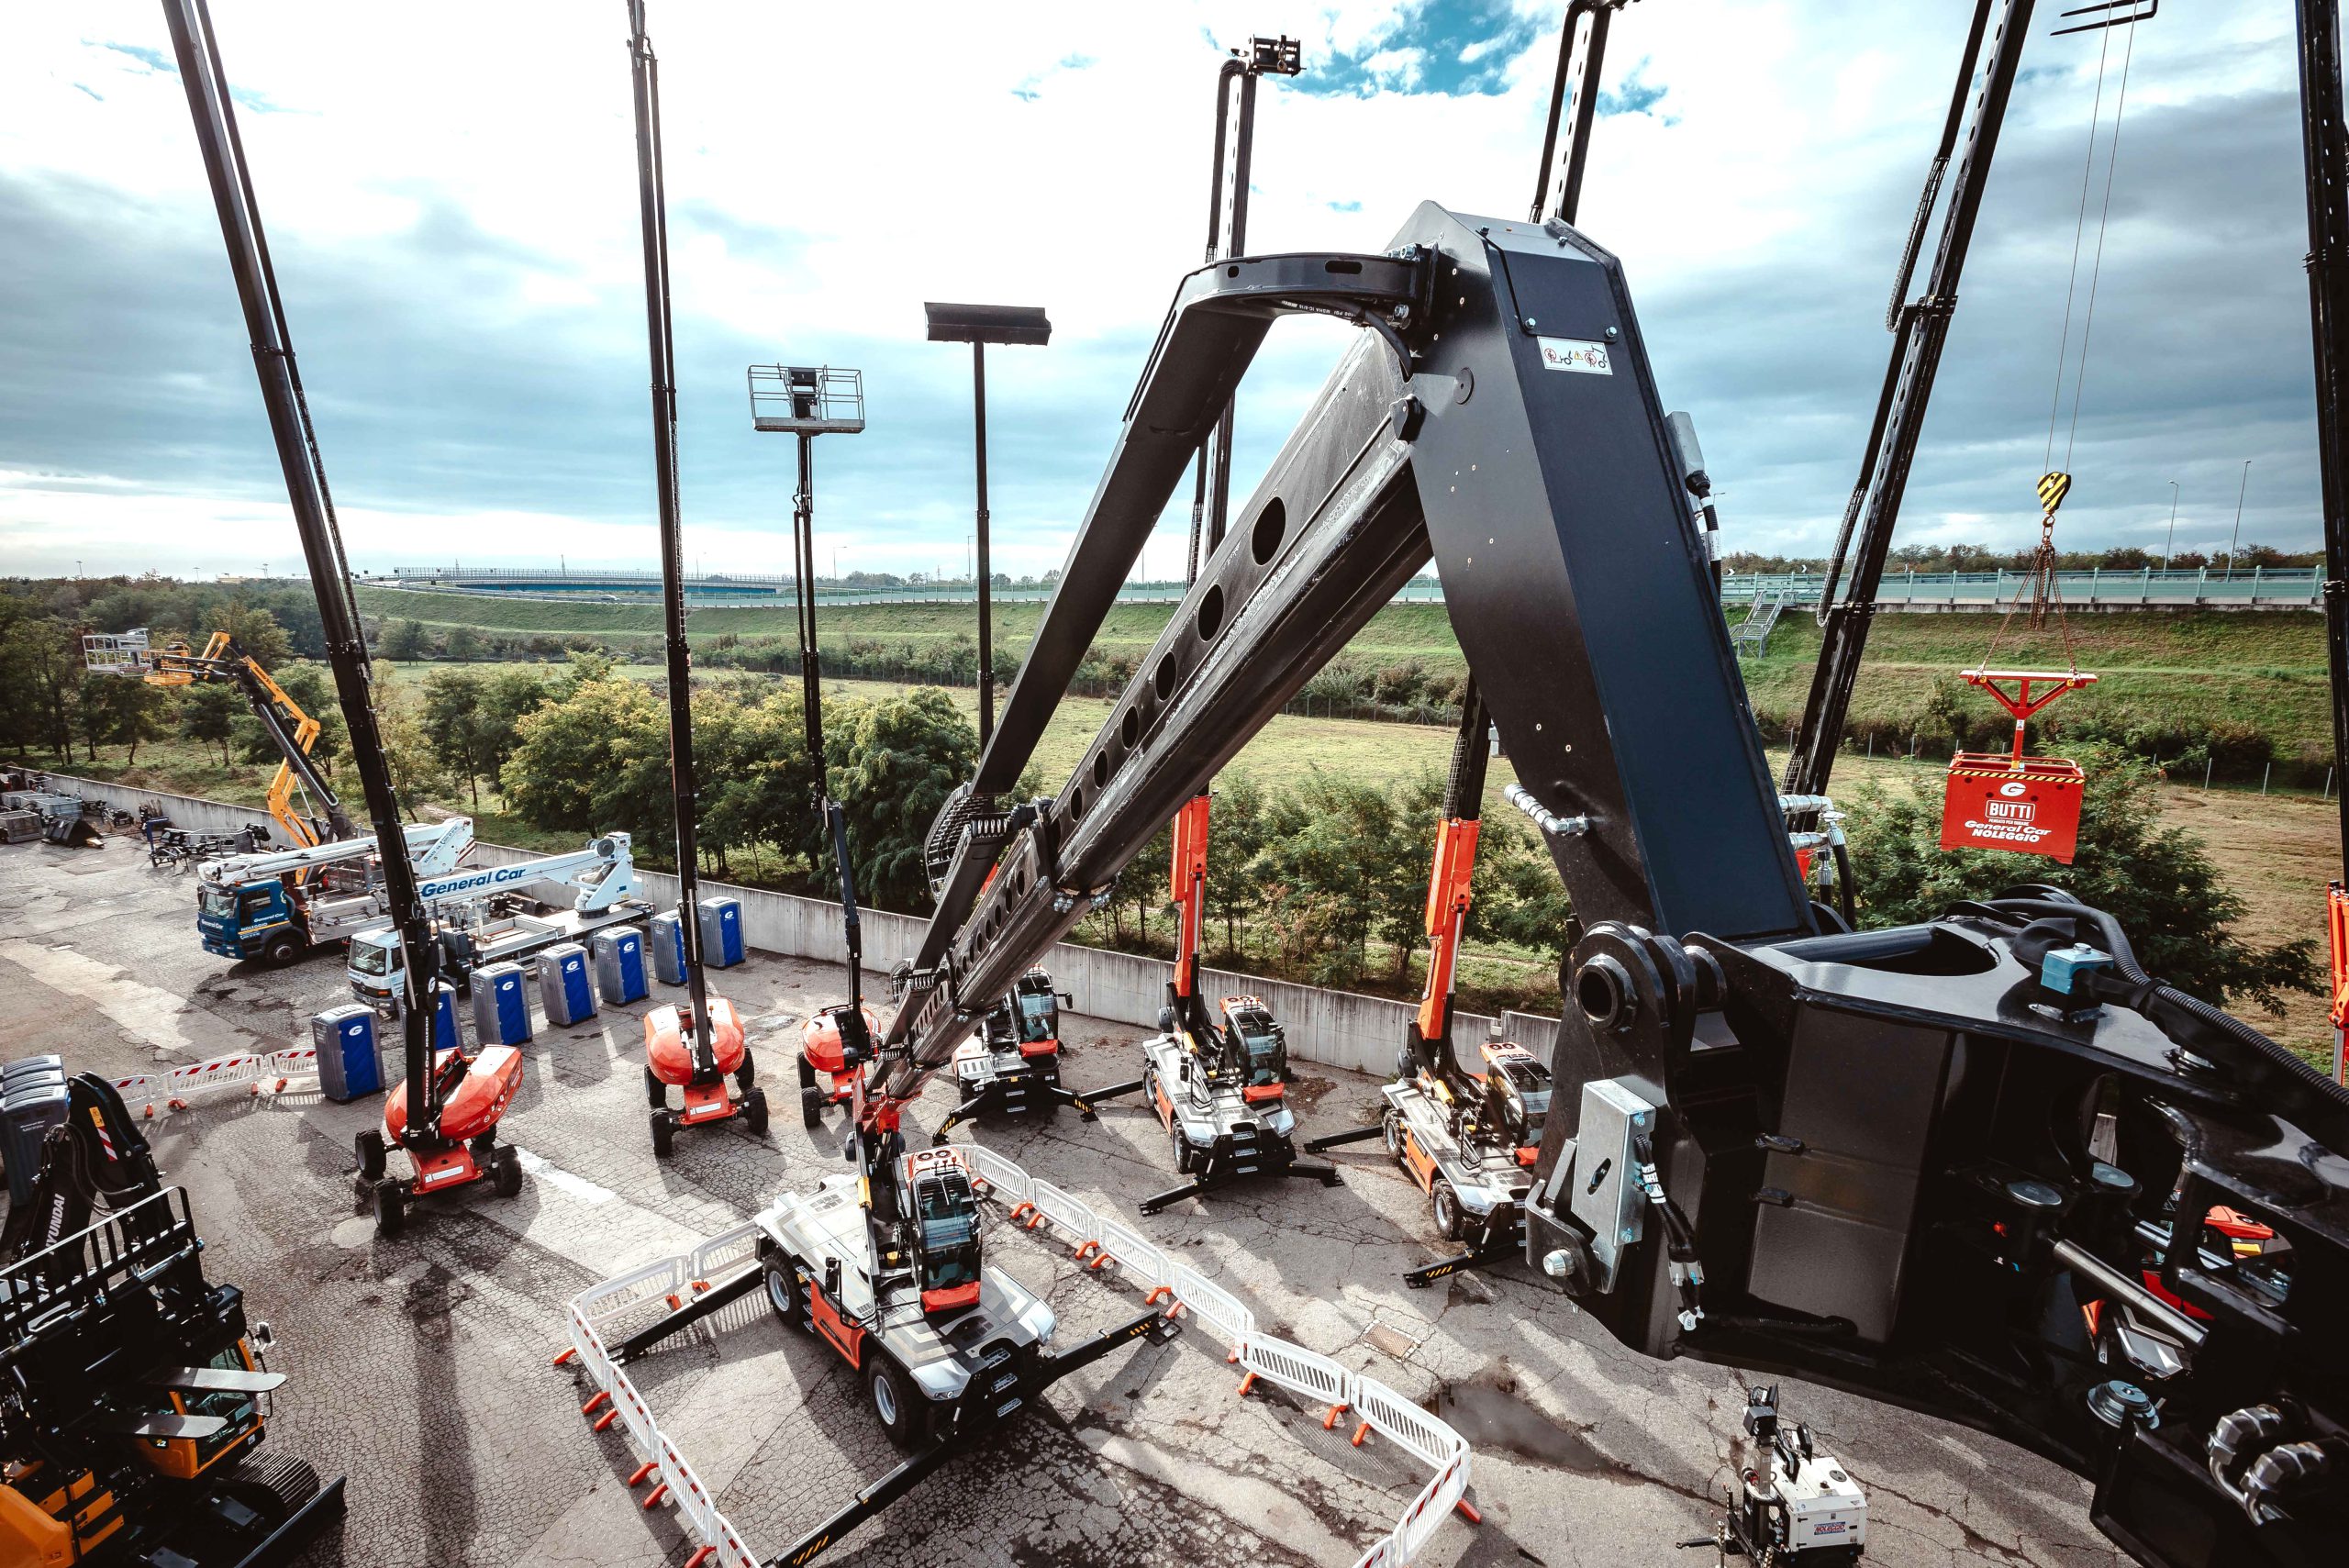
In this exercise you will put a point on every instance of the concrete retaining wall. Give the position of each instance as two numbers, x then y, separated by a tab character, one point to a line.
1337	1029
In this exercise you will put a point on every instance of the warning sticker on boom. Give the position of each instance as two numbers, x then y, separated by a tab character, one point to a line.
1574	354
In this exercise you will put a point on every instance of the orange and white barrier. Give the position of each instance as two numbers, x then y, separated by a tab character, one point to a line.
256	1072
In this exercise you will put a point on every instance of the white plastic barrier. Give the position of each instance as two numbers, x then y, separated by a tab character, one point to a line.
258	1071
664	1284
1071	1216
1135	1255
1300	1370
1212	1305
1011	1183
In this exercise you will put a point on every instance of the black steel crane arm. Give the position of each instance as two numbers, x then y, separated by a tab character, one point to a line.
1219	318
1523	458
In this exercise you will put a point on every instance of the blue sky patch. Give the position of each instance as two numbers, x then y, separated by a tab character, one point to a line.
1458	48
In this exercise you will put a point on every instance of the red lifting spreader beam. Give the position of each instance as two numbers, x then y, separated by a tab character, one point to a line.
2020	702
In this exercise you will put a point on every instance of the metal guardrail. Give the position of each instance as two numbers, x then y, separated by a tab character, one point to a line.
2266	587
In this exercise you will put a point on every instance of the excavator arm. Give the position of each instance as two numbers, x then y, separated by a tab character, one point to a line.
1968	1166
289	725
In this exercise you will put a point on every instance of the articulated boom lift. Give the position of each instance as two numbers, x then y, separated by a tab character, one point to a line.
1964	1165
1469	1139
224	659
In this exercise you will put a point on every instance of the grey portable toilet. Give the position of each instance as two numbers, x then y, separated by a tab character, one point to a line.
669	948
722	931
566	993
620	965
345	1037
33	1098
501	1005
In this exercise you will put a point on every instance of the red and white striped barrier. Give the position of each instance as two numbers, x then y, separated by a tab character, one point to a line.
634	1299
256	1072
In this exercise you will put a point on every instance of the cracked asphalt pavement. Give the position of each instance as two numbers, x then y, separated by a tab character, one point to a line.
418	1367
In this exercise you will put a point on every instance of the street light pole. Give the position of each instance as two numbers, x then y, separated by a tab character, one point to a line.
979	325
2237	537
2170	550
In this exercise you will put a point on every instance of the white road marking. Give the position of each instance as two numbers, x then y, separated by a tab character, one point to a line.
540	1169
161	1019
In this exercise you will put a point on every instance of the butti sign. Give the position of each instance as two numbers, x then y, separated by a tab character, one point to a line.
2031	807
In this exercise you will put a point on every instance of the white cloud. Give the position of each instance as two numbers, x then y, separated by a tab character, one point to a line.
449	174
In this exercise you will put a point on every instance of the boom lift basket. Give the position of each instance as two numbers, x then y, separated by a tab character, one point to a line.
2027	805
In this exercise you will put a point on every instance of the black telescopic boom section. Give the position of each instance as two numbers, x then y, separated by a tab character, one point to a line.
1900	412
803	566
306	490
2326	143
653	211
1582	49
987	607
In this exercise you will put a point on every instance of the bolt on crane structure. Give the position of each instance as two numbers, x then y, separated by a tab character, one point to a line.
445	1116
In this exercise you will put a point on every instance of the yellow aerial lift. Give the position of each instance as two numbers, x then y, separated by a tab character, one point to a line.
294	731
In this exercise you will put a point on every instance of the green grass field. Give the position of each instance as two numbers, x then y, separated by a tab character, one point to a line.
2260	669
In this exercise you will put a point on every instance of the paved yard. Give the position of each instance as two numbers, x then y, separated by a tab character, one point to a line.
419	1367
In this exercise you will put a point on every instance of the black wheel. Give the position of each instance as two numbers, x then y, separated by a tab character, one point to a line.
281	950
754	1113
656	1093
1447	1209
1393	1123
1406	1064
745	1075
370	1147
273	1488
506	1176
811	1109
784	1293
903	1415
665	1133
1183	1159
391	1208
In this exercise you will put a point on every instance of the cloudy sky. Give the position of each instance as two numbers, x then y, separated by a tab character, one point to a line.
449	191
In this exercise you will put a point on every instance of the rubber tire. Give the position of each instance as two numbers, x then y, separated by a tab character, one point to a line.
391	1208
785	1298
369	1147
664	1134
274	1488
656	1093
1185	1162
811	1109
754	1113
889	1389
1392	1122
1450	1218
281	950
505	1178
746	1076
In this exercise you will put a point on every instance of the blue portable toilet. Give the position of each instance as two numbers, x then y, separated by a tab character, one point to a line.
345	1037
722	931
620	965
501	1005
566	993
669	948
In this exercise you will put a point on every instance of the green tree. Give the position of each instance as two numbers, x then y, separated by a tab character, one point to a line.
2159	883
1235	835
1343	862
462	642
408	752
402	640
506	697
210	714
255	630
576	756
452	724
40	660
119	711
765	793
892	763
